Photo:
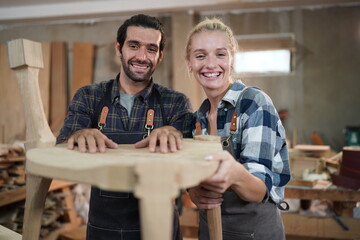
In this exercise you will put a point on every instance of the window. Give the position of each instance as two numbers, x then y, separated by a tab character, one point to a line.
264	55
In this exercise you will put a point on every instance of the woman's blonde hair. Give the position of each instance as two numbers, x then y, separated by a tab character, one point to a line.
211	24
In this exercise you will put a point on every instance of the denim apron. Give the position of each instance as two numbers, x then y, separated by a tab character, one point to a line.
115	215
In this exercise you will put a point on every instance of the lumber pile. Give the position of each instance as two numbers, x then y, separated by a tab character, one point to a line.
59	209
12	170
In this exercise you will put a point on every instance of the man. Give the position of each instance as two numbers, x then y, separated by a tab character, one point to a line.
120	111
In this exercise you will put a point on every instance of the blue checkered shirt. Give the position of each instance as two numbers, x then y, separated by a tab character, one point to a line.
259	140
177	110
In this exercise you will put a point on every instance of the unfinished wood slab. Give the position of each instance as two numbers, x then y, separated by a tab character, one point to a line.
7	234
114	170
82	67
44	78
12	121
58	86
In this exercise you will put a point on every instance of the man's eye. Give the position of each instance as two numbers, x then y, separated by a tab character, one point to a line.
153	50
133	46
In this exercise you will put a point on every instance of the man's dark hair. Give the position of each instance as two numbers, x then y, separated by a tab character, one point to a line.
141	20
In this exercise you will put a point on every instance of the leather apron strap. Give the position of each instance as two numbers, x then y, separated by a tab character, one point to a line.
115	215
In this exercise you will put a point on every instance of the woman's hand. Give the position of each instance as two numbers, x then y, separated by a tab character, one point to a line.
227	173
232	174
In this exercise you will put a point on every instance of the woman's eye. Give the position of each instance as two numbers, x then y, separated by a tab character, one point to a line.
200	56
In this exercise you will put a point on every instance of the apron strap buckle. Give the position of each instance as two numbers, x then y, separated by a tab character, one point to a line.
103	116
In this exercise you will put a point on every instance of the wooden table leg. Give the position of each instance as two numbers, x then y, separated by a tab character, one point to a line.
156	190
214	223
213	215
36	191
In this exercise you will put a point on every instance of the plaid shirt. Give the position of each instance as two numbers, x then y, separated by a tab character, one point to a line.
177	110
259	140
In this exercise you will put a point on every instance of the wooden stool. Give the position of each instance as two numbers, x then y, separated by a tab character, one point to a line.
155	178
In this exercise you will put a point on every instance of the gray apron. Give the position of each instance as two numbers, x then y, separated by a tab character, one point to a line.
115	215
243	220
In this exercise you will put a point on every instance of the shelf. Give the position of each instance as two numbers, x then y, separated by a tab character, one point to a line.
19	194
333	194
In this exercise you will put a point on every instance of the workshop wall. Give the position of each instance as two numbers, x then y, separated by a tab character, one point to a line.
322	94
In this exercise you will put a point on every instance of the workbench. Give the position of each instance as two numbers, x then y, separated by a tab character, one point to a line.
310	227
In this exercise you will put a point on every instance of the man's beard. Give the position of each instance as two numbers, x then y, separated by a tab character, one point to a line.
134	76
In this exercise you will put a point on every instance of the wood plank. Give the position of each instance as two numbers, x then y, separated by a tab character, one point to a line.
324	227
338	194
58	86
7	234
82	66
183	22
19	193
12	121
315	148
44	78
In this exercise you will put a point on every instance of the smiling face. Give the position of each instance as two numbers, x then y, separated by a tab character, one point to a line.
210	60
140	53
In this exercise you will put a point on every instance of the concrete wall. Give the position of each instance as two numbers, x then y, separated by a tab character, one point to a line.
322	94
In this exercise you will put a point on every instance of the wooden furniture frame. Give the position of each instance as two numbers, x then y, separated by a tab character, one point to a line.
155	178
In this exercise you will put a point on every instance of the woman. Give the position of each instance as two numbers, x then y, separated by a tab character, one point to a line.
253	169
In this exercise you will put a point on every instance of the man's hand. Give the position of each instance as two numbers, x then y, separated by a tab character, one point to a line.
168	137
91	139
205	199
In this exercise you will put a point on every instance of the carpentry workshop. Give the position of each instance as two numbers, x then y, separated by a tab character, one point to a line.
180	120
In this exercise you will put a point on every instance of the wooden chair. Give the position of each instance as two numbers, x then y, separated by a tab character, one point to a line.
154	178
